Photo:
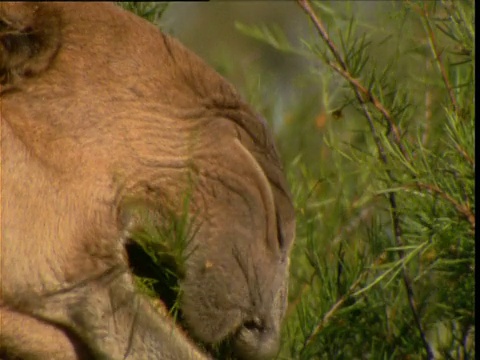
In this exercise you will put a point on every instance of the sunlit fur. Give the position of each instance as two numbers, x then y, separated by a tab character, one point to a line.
97	106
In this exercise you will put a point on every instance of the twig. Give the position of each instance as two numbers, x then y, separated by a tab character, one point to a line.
438	59
326	317
364	95
465	155
352	224
436	53
329	314
406	279
465	211
428	109
341	257
349	228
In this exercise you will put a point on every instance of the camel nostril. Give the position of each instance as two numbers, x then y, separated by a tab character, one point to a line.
254	324
256	340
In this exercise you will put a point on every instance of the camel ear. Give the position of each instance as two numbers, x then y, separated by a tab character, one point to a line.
29	39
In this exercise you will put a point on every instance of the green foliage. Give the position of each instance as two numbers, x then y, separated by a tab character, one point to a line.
151	11
160	245
385	203
379	153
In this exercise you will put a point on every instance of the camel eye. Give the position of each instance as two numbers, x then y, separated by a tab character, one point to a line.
280	234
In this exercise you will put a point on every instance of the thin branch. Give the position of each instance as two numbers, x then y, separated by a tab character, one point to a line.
352	225
437	55
406	279
465	155
428	108
341	257
331	312
363	96
346	230
326	317
465	211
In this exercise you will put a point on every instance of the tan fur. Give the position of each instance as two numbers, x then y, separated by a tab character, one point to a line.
97	106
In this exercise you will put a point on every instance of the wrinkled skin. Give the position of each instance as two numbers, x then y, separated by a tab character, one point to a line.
97	106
